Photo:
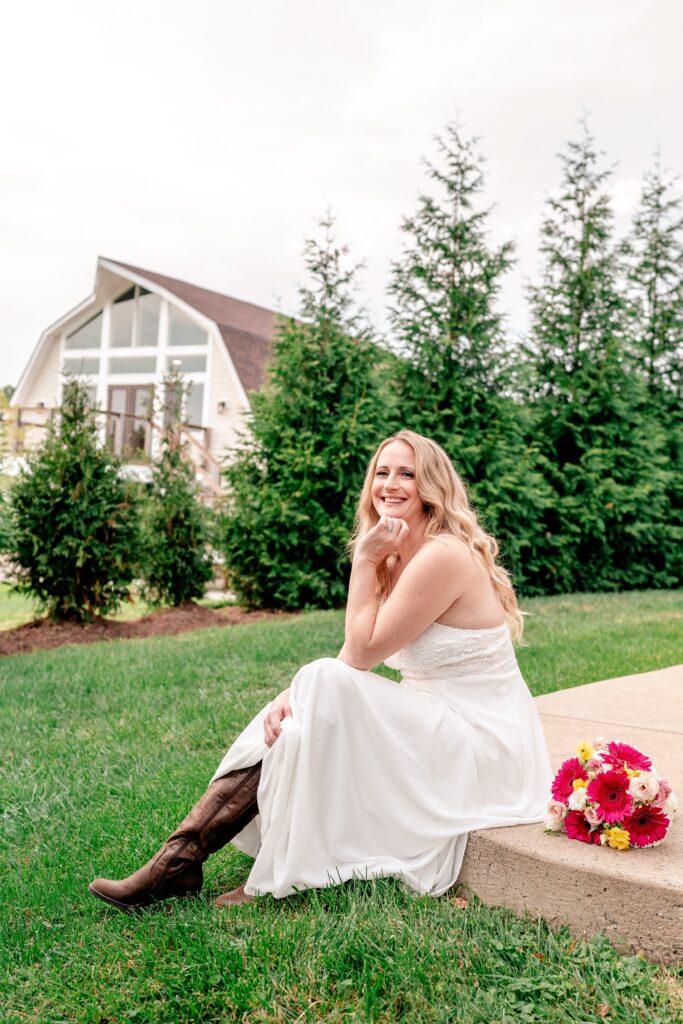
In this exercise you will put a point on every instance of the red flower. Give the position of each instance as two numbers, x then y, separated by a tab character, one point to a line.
577	827
647	826
609	790
562	787
617	753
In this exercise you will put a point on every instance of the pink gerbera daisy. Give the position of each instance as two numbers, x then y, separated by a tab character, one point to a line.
572	769
577	827
617	753
609	790
647	826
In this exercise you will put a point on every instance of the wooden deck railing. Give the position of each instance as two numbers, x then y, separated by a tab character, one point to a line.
134	438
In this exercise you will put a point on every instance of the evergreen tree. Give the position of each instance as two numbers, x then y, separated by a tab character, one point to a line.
176	557
73	532
654	253
458	370
445	323
608	527
655	271
296	475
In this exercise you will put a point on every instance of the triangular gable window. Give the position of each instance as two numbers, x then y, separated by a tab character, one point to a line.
88	335
135	319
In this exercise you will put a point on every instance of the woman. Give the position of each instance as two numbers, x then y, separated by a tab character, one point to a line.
347	774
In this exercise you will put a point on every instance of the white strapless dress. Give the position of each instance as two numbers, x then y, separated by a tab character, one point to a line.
370	777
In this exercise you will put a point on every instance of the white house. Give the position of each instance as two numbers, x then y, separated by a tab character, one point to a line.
123	338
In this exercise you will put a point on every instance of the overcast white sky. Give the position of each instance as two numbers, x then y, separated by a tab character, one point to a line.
203	139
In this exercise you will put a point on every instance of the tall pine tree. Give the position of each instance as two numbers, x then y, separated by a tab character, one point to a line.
654	252
457	371
608	528
295	479
444	318
655	270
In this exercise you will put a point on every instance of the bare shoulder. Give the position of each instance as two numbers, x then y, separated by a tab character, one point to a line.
459	553
450	555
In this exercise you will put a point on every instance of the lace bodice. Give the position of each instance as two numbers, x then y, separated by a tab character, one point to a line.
443	651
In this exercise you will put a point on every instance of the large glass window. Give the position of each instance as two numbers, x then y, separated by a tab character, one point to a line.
88	335
194	404
135	318
82	365
133	364
187	364
173	399
183	331
128	421
147	332
122	317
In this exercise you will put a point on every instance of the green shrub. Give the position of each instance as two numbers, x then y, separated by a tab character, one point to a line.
5	525
72	529
176	562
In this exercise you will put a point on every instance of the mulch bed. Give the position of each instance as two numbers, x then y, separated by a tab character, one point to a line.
41	634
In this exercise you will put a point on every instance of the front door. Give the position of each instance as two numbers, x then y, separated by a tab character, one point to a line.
128	430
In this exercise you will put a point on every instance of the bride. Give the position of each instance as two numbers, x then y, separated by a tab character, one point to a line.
347	774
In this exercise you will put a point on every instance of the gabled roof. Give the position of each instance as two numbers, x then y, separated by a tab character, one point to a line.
247	330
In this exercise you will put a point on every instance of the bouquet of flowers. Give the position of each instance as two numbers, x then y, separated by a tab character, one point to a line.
610	795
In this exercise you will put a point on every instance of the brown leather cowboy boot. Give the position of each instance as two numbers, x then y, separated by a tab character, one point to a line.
176	869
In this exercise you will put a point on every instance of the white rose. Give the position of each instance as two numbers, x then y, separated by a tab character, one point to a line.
644	787
670	805
553	822
554	815
577	800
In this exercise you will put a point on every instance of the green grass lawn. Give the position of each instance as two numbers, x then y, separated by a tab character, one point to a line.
106	746
17	609
581	638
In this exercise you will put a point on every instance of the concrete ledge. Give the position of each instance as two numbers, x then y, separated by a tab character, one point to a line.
635	897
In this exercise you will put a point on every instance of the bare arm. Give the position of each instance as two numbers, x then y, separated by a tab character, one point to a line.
343	656
428	586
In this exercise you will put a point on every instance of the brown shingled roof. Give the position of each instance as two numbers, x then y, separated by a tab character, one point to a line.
247	330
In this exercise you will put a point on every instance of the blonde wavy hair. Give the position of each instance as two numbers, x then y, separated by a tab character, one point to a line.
449	511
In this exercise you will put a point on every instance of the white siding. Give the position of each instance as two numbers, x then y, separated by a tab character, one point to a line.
223	426
45	386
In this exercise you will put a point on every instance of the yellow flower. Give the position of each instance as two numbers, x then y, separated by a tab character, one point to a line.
618	838
579	783
631	772
584	750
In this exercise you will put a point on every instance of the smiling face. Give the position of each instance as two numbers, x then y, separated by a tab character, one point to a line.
394	489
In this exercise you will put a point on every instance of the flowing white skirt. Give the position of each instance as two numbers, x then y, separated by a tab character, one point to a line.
374	778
